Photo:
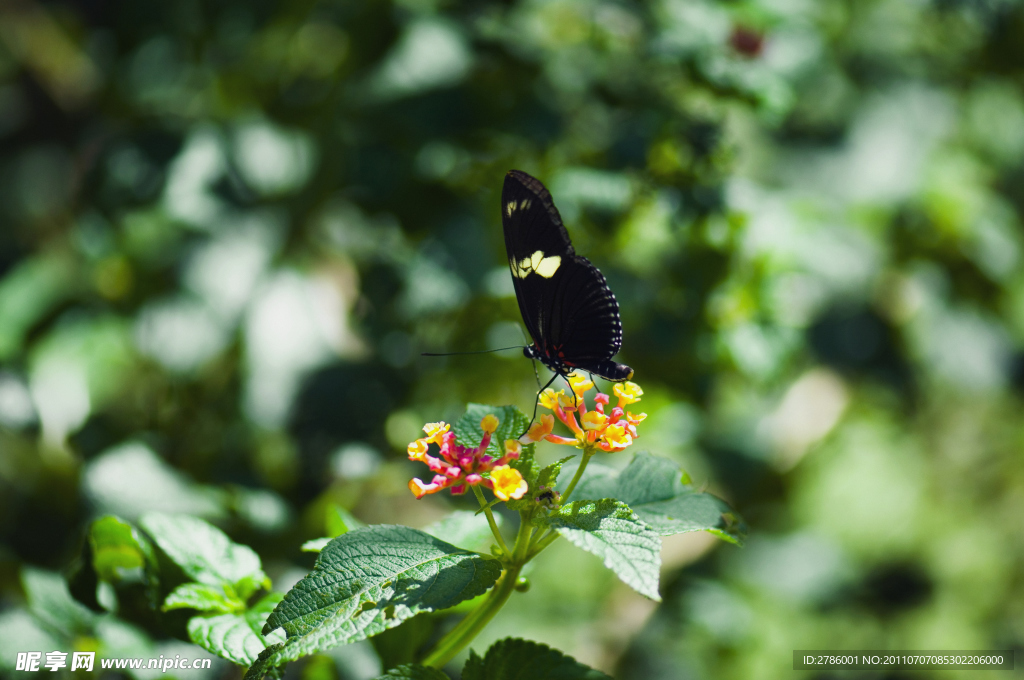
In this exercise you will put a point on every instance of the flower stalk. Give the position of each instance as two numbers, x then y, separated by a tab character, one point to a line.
490	521
467	629
459	468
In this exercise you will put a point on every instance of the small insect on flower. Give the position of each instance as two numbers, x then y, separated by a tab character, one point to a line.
548	497
458	467
596	429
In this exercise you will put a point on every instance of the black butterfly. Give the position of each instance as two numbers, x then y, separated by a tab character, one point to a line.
565	301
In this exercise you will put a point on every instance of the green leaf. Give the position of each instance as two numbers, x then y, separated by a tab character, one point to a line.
266	663
514	659
653	488
120	552
237	637
51	603
609	529
247	585
339	521
201	597
83	585
203	551
527	465
511	425
316	545
413	672
465	529
544	480
549	475
372	579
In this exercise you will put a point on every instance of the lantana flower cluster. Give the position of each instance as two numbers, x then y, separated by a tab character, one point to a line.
460	467
597	428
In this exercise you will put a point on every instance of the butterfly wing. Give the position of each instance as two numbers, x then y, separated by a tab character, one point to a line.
532	225
585	323
565	301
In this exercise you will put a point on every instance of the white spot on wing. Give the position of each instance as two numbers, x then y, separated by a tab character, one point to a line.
544	266
511	208
548	266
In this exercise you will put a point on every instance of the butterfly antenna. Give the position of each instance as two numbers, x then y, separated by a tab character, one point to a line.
536	402
482	351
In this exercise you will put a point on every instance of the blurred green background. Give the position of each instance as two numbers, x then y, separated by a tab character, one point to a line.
228	229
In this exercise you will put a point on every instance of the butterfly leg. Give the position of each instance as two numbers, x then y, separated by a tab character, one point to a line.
575	400
536	374
536	402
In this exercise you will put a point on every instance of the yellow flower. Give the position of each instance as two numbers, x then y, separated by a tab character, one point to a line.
435	431
489	423
513	448
609	431
579	384
549	398
508	483
616	438
567	402
417	449
594	420
627	392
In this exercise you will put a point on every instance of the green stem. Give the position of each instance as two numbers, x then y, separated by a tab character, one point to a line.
546	540
587	455
467	629
490	520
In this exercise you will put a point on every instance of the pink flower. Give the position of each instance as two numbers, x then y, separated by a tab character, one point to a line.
459	467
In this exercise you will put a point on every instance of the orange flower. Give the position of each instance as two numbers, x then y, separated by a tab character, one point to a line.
600	430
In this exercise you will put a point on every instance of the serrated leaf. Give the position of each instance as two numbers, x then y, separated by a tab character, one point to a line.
653	488
372	579
609	529
266	663
237	637
511	425
545	479
464	529
549	475
414	671
515	659
203	551
201	597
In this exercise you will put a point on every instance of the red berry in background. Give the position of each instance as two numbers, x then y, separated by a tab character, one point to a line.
747	41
